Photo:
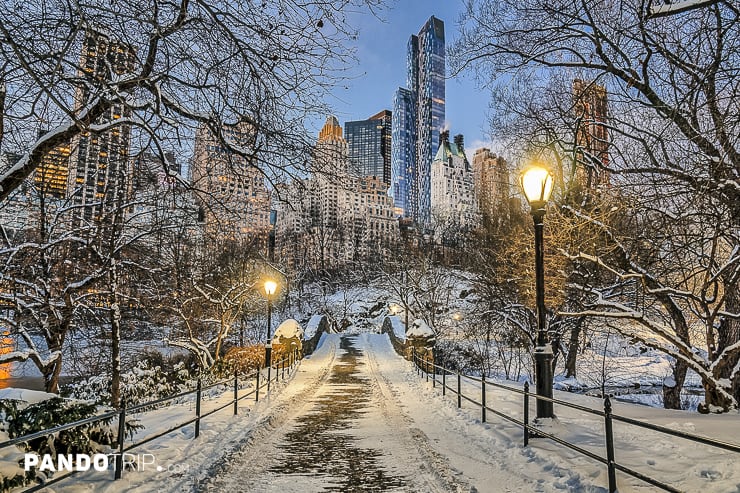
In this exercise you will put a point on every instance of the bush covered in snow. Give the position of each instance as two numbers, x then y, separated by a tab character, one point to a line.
142	384
19	418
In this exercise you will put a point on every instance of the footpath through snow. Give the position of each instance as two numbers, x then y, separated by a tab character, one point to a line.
356	417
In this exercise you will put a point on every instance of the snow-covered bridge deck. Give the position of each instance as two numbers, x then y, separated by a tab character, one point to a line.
356	417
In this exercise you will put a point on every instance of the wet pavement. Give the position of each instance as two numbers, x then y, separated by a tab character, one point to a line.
319	446
343	436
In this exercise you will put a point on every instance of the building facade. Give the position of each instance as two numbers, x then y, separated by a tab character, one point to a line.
454	210
592	136
418	119
369	146
332	219
492	186
233	200
100	164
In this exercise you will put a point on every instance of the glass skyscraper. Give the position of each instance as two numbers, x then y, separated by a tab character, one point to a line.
418	119
369	146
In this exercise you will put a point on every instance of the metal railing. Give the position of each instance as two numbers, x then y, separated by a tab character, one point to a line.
433	372
288	363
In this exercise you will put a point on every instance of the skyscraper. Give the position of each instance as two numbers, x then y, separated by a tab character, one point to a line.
592	136
418	119
492	189
100	163
237	203
369	145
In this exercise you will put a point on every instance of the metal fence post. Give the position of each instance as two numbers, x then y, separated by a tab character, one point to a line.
611	469
197	408
434	373
121	437
269	376
444	381
459	394
526	413
426	366
236	391
483	396
257	388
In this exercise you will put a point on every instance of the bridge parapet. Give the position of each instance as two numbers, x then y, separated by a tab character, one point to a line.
316	326
419	337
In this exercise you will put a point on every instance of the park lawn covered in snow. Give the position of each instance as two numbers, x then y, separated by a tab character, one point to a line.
489	456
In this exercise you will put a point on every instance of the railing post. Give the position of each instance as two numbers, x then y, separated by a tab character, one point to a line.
197	408
121	437
426	366
483	396
257	387
459	394
434	373
269	377
526	413
236	391
444	381
611	469
283	365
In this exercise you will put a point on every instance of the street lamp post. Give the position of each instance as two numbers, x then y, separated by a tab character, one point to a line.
537	185
270	288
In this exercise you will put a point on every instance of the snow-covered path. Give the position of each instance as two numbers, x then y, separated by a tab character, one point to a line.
351	435
357	417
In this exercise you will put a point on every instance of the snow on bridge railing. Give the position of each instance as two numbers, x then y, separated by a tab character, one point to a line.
286	365
433	372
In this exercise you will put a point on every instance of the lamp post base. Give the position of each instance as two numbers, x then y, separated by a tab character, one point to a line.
543	372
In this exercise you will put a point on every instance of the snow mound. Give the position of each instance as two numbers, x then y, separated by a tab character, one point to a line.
419	328
290	329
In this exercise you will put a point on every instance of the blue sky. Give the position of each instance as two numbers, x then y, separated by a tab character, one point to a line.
381	50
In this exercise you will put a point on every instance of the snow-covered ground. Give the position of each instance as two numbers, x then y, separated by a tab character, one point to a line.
411	436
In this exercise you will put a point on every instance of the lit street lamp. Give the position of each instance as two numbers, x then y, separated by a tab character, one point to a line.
270	288
537	185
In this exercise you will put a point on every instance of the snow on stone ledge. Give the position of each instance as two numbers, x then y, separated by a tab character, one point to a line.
25	395
288	330
419	328
399	330
312	327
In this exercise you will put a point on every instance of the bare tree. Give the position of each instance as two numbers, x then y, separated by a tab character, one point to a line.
673	160
209	63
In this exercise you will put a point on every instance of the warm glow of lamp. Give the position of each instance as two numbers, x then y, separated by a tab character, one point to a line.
537	184
270	287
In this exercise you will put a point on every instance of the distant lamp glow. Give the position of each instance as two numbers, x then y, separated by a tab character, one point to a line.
537	184
270	287
457	316
395	309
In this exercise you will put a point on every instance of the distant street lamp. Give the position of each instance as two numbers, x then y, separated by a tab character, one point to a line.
270	288
457	316
537	184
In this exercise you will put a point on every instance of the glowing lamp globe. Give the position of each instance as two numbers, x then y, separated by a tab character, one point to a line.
537	184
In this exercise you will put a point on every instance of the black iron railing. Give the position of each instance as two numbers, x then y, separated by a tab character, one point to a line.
288	363
435	373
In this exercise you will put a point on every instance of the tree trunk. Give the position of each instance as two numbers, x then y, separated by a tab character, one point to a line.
728	334
53	370
115	351
573	346
672	394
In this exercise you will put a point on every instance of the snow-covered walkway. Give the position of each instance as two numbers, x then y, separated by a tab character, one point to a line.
356	417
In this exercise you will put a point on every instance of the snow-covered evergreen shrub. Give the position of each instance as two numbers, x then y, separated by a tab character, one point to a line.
18	418
140	385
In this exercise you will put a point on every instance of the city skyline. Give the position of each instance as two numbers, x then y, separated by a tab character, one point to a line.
381	69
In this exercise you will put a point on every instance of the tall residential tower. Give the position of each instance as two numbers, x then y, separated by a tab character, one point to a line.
369	145
418	119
